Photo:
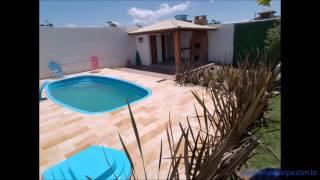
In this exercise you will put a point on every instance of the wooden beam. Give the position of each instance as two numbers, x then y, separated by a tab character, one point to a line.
177	52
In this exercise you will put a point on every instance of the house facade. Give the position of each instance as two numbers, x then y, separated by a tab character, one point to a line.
173	41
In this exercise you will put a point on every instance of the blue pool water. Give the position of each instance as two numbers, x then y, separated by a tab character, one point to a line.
94	94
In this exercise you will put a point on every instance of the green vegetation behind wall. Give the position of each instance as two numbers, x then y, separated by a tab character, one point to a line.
248	37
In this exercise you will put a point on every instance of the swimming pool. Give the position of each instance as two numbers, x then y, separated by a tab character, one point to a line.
90	94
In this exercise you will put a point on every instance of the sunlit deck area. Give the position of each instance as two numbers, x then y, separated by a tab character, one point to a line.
64	133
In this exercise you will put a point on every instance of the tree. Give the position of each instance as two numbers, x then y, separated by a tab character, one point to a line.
47	23
264	2
111	24
272	42
213	21
138	59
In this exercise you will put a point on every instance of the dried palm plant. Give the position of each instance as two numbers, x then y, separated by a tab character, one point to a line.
194	72
222	141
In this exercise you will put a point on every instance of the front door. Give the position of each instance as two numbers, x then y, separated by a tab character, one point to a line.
153	44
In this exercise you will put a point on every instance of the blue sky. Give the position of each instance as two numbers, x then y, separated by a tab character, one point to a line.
73	13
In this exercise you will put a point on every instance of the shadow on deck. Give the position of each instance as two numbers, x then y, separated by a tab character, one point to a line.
163	67
167	67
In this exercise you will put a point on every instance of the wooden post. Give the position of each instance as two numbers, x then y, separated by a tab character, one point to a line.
177	51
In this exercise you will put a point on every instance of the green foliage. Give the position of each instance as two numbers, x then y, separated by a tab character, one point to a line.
264	2
249	38
263	158
272	43
47	23
138	60
111	24
215	21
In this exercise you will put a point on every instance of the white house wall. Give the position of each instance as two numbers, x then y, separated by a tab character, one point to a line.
144	49
73	47
221	44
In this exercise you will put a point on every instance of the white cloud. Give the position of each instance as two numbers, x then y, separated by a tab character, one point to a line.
145	16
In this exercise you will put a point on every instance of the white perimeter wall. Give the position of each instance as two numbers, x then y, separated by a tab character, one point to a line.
73	47
144	49
221	44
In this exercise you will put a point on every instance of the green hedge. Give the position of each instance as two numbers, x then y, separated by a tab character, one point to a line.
250	36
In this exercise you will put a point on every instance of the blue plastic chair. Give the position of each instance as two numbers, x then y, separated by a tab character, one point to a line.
56	69
95	162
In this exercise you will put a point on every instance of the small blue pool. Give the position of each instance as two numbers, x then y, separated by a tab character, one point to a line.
91	94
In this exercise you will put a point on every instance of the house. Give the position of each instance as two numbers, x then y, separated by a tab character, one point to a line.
173	40
162	45
265	14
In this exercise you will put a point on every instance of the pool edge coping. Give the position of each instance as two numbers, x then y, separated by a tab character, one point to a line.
48	94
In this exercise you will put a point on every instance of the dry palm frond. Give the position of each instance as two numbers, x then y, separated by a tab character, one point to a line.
222	142
197	73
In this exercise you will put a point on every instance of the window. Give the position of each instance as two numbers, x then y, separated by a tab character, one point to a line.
197	45
140	39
